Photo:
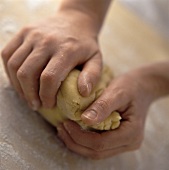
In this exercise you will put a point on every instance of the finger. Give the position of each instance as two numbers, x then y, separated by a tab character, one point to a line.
52	76
90	74
82	137
90	152
66	138
112	99
15	62
114	152
122	136
29	76
12	46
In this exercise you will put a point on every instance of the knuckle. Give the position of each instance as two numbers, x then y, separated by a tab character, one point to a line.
73	48
26	29
35	33
12	65
4	53
22	75
71	42
69	47
47	40
48	77
101	105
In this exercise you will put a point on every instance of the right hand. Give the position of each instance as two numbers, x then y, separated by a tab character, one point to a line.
40	57
129	96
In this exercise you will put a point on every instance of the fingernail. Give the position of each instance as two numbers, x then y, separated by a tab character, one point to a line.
91	114
35	105
66	126
59	129
59	132
86	89
89	88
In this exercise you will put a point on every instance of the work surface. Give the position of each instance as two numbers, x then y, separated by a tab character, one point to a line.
28	142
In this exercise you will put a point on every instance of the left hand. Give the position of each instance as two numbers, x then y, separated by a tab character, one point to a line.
41	56
127	95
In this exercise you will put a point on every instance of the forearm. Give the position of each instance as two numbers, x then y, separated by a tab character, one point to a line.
95	10
155	78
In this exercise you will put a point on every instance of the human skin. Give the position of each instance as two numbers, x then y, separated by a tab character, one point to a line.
131	95
40	56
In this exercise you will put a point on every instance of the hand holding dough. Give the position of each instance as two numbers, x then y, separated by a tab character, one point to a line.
70	104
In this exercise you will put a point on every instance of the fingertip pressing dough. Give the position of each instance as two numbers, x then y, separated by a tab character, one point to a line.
70	104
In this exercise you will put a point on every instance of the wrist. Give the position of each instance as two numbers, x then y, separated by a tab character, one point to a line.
153	80
89	12
80	20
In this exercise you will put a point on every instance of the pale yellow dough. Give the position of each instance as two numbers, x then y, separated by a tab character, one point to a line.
70	104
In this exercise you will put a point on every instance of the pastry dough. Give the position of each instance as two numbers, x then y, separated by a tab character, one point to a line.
70	104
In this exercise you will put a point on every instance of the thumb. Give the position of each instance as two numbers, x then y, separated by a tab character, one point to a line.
110	100
90	74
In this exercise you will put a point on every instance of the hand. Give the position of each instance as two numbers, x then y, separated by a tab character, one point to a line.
129	97
40	57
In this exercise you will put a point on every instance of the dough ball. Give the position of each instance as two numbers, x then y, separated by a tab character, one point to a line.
70	104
